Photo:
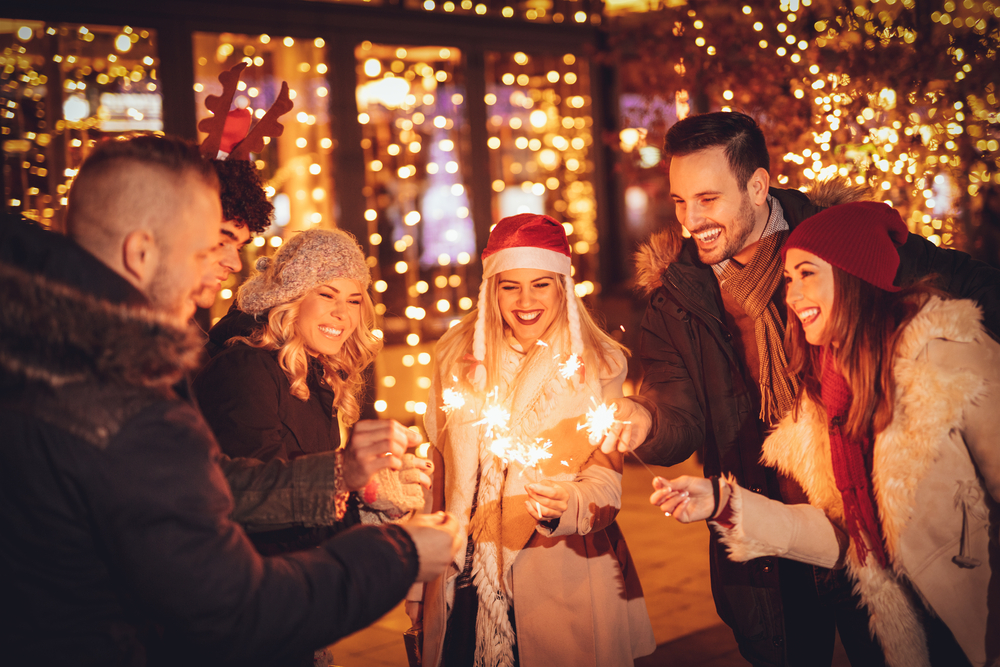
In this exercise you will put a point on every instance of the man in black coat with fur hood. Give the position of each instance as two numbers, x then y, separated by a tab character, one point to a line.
711	347
116	545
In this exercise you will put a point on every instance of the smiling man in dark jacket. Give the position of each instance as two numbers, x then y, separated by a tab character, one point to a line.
713	361
116	545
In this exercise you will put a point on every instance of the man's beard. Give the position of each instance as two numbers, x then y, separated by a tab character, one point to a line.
166	295
736	234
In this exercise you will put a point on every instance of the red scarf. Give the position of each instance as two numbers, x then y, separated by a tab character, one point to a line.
849	465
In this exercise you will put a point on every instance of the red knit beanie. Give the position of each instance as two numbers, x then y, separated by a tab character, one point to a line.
860	238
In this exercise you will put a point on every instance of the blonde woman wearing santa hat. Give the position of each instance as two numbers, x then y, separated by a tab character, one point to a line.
298	346
546	578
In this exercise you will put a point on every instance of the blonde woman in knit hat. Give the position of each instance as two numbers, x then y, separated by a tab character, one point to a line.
546	578
893	437
298	348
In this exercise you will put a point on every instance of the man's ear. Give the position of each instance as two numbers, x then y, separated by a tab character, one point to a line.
140	257
758	185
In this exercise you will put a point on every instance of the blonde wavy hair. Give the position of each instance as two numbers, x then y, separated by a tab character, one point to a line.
457	342
343	372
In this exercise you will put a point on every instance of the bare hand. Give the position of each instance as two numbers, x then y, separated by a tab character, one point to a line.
687	499
632	424
437	539
547	500
416	470
375	444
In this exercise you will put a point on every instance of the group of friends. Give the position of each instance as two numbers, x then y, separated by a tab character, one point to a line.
167	499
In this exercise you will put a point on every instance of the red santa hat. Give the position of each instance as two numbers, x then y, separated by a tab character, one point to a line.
526	241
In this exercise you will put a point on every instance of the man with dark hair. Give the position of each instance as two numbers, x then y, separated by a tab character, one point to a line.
245	212
116	545
712	351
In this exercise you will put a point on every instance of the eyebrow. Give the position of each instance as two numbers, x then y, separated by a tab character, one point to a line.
226	232
805	261
534	280
337	291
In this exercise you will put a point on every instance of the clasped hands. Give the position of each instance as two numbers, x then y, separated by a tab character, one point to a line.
377	444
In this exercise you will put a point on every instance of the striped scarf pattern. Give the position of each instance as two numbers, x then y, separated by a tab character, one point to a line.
753	287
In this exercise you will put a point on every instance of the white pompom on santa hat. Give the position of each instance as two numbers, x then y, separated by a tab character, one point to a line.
526	241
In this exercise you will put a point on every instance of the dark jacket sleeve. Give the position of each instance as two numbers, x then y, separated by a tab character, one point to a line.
240	397
162	514
279	493
959	275
669	395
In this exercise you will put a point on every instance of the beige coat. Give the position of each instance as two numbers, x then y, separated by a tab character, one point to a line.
936	471
575	593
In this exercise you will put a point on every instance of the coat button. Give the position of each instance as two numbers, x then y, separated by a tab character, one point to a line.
766	566
779	641
757	489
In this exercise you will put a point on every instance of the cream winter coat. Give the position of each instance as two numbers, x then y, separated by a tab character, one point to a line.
576	596
936	482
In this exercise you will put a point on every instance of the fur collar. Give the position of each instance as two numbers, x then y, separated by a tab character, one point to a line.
929	403
55	334
664	247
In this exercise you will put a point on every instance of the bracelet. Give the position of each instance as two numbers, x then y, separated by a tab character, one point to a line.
341	495
716	494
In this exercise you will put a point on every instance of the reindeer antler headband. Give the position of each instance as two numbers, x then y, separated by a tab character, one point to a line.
225	127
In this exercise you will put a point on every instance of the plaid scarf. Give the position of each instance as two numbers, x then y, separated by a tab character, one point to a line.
753	287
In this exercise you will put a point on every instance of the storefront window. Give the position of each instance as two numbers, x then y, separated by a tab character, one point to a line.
63	87
541	142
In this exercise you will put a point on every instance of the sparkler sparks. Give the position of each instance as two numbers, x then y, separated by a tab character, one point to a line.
452	400
570	367
598	422
495	418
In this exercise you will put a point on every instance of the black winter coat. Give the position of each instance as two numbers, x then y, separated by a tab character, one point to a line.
700	394
116	546
246	399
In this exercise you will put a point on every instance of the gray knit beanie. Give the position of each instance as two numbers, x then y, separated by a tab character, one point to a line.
308	259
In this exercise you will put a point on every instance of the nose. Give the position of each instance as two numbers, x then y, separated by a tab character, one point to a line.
338	307
793	291
231	259
525	299
689	216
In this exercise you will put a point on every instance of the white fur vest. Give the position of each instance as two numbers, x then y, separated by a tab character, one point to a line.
926	487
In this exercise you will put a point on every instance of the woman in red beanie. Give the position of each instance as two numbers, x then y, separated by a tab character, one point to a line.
893	439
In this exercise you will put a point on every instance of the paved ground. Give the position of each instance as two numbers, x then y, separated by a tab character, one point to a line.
672	560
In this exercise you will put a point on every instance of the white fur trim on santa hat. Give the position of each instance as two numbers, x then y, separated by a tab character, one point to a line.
526	257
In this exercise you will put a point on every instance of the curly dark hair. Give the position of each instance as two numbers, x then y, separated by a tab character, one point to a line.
243	196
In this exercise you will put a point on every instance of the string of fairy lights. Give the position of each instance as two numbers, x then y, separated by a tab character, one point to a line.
922	132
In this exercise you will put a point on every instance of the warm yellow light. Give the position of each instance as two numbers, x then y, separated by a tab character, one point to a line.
412	218
259	241
315	169
443	305
275	241
412	339
123	43
381	286
24	33
401	267
381	406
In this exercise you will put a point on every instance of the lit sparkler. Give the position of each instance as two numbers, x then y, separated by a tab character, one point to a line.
570	367
452	400
598	422
495	418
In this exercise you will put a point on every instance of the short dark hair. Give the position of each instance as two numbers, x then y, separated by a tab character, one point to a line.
173	154
97	194
243	196
746	148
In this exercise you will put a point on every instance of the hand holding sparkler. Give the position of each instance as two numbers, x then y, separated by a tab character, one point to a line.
547	500
631	425
689	499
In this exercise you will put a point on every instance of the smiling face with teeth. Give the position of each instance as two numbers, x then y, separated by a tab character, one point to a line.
328	316
529	300
723	217
809	292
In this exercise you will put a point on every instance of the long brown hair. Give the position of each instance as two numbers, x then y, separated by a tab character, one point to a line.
862	332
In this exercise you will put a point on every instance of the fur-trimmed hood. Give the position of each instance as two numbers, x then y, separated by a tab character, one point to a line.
655	255
56	334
